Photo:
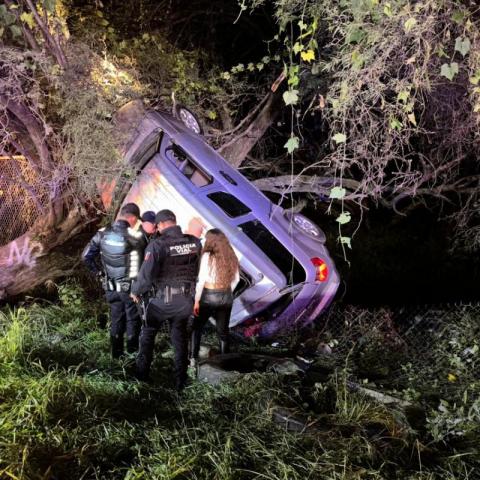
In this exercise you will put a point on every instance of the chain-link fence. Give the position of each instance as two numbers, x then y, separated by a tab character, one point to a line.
432	346
22	197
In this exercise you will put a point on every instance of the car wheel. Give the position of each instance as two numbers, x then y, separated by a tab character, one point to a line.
188	118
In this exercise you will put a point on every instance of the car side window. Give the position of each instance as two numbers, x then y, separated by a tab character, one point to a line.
230	204
184	164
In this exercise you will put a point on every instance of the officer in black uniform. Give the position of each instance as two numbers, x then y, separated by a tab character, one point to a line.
148	226
170	266
119	248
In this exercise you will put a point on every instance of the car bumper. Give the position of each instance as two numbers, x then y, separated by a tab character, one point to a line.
308	304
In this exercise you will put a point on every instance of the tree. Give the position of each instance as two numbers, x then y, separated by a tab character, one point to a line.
393	91
58	98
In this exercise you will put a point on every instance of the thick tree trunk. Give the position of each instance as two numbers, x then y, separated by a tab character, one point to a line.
237	148
32	259
40	254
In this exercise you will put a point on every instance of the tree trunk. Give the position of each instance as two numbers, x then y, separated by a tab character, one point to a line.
237	148
32	259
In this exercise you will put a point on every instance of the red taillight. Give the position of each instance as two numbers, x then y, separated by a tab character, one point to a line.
321	269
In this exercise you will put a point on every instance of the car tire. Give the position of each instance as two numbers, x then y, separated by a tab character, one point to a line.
188	118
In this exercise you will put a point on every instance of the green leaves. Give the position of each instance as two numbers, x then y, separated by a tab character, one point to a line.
344	218
462	45
357	60
355	35
339	138
49	5
346	241
292	144
337	192
475	79
458	16
28	19
298	47
290	97
409	24
6	17
403	96
16	31
387	10
308	56
449	70
395	124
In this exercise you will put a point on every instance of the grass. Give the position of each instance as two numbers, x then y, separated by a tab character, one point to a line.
68	412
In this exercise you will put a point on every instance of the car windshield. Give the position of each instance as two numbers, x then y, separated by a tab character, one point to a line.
274	250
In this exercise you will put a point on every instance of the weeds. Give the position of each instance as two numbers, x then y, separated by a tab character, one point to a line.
68	411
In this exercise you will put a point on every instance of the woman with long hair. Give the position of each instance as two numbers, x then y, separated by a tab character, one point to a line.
217	278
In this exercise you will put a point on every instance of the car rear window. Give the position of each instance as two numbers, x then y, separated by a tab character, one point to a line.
274	250
229	204
189	169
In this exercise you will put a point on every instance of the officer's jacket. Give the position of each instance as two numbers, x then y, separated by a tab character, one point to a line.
119	249
171	259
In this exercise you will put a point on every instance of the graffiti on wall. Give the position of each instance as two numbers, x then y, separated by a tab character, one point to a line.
25	254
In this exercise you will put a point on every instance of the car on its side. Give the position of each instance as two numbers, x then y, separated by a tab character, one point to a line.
287	275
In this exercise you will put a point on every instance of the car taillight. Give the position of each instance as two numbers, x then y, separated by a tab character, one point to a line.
321	269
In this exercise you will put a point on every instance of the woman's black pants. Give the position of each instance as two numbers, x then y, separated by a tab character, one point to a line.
220	312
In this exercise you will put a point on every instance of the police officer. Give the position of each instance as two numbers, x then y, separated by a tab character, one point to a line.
119	248
170	266
148	226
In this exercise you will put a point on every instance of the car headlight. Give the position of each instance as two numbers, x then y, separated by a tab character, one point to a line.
307	226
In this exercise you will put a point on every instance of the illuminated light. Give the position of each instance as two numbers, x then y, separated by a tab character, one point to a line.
9	157
321	269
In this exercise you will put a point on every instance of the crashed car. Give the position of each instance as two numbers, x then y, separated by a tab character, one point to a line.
287	275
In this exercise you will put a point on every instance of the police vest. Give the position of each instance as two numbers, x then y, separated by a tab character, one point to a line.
181	264
120	249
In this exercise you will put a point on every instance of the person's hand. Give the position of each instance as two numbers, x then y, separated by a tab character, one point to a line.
135	298
196	308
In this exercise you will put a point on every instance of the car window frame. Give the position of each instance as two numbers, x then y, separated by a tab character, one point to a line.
171	145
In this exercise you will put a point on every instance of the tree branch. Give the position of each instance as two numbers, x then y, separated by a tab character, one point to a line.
50	39
28	34
35	131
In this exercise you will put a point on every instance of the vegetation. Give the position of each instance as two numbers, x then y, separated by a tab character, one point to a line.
384	106
67	411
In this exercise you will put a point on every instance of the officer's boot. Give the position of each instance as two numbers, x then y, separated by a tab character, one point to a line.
116	342
224	346
181	382
132	344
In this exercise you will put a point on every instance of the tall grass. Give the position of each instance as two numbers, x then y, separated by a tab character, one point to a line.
68	412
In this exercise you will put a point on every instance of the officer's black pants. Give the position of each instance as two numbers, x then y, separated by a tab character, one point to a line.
124	317
176	313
